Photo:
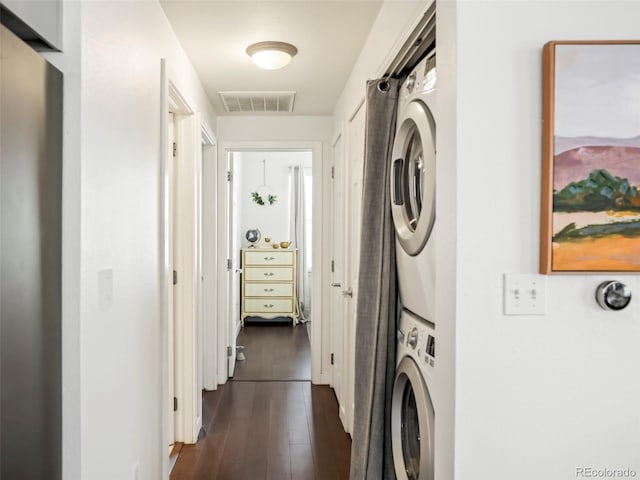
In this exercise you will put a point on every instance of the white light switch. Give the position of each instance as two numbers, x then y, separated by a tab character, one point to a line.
525	294
105	289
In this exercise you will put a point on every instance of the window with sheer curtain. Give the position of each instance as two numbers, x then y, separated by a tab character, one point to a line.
308	203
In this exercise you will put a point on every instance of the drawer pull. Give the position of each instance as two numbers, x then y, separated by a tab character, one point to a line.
268	290
269	258
268	274
268	306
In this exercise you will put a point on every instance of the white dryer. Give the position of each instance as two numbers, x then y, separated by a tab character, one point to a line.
412	402
413	187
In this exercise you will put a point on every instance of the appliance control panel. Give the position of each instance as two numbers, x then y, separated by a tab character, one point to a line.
431	346
412	338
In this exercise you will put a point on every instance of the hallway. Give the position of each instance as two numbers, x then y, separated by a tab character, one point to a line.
269	422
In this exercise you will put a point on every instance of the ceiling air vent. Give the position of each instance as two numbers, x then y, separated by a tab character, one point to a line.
256	102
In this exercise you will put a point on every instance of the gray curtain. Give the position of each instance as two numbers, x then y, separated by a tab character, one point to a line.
371	457
298	234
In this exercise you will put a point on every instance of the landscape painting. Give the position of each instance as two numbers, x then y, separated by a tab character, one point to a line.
591	157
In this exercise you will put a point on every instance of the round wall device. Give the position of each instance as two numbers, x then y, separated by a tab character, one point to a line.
612	295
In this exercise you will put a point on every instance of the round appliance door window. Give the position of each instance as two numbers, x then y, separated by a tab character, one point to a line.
410	433
412	424
413	181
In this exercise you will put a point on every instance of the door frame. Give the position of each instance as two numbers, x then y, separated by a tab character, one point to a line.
352	225
209	280
339	378
320	346
232	279
188	418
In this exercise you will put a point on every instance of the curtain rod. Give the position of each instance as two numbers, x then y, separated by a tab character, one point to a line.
420	39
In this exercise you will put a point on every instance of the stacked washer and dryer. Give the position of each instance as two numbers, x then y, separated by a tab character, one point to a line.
413	187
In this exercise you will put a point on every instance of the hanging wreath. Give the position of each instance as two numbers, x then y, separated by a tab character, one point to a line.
271	199
264	190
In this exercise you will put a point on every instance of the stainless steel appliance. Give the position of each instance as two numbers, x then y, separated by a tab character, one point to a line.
414	398
30	257
413	189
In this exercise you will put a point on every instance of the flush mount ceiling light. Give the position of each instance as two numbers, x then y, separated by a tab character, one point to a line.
271	55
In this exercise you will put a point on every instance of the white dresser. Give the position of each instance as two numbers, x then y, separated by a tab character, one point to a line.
269	283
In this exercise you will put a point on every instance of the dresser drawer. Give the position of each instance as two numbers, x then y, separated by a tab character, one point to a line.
268	305
267	274
261	257
268	290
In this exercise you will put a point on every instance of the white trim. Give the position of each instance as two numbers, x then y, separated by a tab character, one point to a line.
320	374
177	103
185	292
337	138
221	256
208	204
357	109
163	264
189	417
339	335
208	138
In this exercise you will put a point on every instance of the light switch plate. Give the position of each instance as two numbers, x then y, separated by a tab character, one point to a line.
105	289
525	294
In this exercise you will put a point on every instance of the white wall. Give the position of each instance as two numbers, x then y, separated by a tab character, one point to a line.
394	23
266	128
271	220
536	397
112	369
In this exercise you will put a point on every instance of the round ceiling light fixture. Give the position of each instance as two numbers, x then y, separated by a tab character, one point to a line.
271	55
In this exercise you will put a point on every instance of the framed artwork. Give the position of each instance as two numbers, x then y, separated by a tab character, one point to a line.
590	209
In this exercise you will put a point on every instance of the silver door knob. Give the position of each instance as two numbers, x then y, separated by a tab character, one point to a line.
348	293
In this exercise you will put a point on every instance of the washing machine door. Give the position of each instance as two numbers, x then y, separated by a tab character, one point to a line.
413	181
412	424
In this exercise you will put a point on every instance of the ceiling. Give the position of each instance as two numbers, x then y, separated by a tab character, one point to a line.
329	35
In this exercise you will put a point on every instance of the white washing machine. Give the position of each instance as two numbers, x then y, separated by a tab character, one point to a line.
412	405
413	188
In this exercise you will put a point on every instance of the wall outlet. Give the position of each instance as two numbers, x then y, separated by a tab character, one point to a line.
525	294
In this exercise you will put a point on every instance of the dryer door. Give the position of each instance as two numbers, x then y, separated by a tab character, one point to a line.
412	424
413	181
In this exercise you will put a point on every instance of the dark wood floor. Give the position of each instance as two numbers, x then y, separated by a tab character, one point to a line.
274	352
258	428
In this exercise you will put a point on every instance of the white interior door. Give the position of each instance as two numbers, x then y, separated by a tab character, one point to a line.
352	228
233	277
170	307
337	279
209	262
199	288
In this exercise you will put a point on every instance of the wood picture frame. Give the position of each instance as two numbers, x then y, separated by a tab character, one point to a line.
590	192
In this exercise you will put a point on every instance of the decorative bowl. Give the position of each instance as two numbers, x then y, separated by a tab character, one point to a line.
285	244
267	239
275	245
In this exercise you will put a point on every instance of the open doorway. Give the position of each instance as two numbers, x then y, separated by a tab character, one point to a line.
274	191
274	218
